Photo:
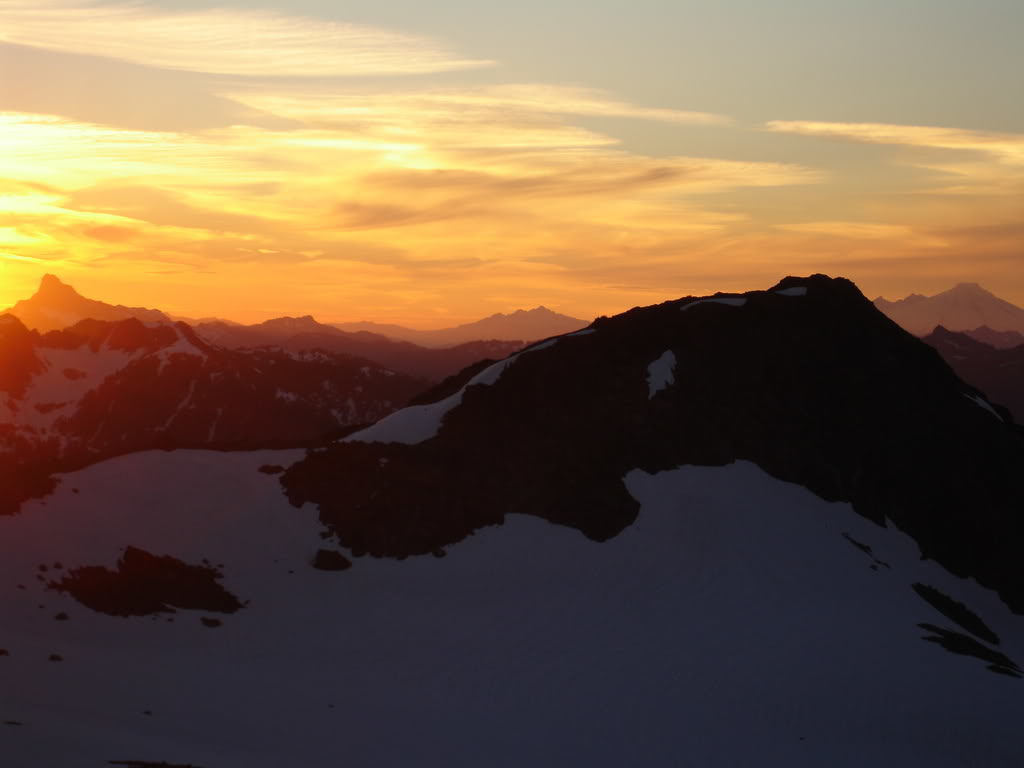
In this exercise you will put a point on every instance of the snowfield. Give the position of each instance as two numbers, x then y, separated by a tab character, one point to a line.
733	625
661	373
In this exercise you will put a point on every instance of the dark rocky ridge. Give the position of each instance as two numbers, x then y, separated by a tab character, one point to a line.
821	390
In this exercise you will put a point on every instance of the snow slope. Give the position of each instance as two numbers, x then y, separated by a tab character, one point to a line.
732	624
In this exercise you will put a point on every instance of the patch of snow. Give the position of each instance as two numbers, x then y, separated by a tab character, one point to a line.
289	397
729	301
182	346
796	290
418	423
584	332
661	373
543	345
185	402
982	402
53	386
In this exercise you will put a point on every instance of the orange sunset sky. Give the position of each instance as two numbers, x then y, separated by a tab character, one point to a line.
431	163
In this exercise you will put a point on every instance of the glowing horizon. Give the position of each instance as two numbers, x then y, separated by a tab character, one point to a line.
250	161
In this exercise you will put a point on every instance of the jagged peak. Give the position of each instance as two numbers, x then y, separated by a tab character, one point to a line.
51	284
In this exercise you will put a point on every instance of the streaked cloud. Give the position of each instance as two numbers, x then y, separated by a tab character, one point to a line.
222	40
476	102
1002	147
853	229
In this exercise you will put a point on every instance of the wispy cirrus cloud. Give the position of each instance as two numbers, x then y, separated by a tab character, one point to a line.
851	229
1002	147
223	41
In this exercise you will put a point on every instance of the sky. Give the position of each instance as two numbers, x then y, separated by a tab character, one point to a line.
433	163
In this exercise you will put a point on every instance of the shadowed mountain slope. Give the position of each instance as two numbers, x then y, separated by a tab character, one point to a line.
999	373
97	389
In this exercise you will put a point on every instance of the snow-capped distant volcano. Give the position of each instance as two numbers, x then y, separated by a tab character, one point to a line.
965	307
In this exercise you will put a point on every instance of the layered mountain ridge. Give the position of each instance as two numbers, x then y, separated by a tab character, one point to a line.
521	325
57	305
298	334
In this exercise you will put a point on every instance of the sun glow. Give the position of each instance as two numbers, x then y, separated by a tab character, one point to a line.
254	150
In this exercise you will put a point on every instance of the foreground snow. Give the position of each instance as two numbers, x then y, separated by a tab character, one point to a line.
733	624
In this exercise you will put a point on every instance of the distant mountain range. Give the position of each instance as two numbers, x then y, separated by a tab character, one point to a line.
57	305
521	325
965	307
304	333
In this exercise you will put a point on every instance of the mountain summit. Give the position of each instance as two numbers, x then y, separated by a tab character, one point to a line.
56	305
964	307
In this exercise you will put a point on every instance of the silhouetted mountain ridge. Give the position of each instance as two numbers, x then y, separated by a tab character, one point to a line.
807	379
56	305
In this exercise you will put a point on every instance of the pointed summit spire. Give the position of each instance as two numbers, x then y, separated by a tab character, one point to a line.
51	285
